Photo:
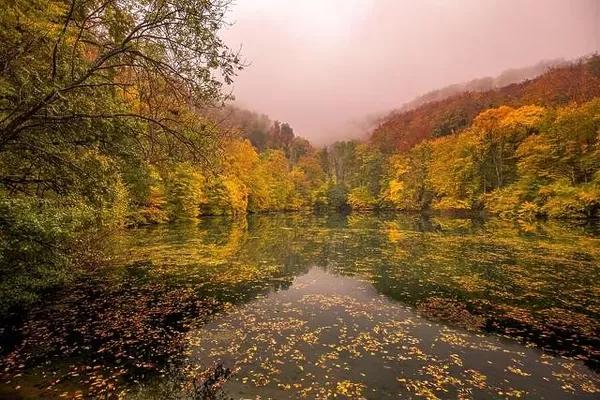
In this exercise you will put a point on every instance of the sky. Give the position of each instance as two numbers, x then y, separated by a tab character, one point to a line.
328	66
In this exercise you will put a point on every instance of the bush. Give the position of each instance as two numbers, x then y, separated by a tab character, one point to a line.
331	197
361	199
504	202
573	202
337	197
451	204
39	240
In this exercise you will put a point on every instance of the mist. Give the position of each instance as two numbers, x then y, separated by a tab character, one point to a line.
328	66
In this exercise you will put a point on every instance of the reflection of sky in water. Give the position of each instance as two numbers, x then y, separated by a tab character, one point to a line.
329	334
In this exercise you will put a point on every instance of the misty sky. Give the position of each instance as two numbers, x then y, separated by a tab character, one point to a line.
324	66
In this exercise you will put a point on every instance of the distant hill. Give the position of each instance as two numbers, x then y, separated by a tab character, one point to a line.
513	75
442	112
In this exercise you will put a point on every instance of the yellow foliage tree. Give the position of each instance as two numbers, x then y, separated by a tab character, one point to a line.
185	192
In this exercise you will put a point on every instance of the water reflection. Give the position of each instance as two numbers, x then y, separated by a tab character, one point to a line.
128	325
331	336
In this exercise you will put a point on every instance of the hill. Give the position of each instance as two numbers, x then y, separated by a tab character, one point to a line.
578	81
510	76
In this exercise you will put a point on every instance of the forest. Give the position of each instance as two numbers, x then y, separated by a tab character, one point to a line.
116	114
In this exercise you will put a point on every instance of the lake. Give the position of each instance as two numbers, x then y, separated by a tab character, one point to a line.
300	306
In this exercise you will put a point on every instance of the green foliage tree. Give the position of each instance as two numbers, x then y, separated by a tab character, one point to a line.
185	193
41	245
147	195
360	198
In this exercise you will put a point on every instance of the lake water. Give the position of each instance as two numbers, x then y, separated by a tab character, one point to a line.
299	306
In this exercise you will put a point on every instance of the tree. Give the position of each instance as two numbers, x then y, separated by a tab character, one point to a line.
501	130
575	140
343	162
454	171
454	108
299	148
225	195
369	170
100	121
311	167
148	195
70	68
287	135
275	136
408	184
300	194
271	183
537	160
185	193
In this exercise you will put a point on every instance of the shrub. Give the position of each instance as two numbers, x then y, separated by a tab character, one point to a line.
565	201
361	199
39	241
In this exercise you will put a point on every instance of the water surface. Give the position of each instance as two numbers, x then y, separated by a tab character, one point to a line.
318	307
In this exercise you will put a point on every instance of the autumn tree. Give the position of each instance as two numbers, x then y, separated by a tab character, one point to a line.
501	130
408	185
70	67
299	148
287	135
342	161
575	141
454	171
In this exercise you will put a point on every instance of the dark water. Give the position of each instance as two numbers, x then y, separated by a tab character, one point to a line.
291	306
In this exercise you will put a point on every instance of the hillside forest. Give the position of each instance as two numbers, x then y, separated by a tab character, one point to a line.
117	113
